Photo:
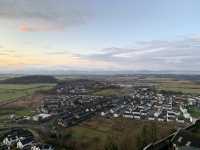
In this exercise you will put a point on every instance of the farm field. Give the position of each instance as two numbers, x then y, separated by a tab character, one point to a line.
19	112
4	77
10	92
187	87
170	84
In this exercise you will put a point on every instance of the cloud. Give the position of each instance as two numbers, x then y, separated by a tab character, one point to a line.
3	54
6	52
57	53
177	55
25	28
45	15
181	54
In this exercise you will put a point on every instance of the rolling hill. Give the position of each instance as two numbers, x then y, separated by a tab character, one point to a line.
30	79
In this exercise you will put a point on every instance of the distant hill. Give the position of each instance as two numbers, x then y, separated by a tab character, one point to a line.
30	79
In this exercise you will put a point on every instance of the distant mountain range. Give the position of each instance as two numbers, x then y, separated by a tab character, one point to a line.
91	72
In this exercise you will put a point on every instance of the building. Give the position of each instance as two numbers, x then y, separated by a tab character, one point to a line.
25	142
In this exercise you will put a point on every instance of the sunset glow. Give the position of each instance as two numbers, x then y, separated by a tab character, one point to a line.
103	35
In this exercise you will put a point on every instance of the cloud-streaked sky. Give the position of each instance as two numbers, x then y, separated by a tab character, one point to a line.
100	34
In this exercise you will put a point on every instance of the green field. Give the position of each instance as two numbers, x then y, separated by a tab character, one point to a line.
180	86
20	111
11	92
14	91
186	87
169	84
6	77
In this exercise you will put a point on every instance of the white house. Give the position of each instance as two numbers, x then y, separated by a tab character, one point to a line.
22	143
42	147
41	117
10	140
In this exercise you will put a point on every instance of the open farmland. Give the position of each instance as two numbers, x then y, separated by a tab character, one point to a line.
9	92
187	87
19	112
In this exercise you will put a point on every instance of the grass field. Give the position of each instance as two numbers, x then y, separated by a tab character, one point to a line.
170	84
4	77
180	86
11	92
20	111
14	91
187	87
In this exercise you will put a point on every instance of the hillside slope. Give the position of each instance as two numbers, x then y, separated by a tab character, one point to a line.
30	79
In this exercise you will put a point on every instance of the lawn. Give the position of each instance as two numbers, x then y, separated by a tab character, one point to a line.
14	91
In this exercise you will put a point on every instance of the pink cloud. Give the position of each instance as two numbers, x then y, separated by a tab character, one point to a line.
41	27
25	28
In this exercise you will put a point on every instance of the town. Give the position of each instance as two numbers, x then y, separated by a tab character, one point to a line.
99	75
73	102
142	103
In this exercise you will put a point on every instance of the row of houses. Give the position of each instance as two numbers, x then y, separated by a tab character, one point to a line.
143	103
80	86
147	104
22	139
55	104
85	111
72	109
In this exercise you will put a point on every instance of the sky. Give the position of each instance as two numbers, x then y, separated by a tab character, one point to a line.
109	35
